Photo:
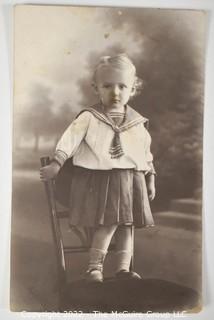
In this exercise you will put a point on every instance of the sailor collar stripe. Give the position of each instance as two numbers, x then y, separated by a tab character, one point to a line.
132	118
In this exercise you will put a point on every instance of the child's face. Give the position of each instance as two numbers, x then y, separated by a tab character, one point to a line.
114	86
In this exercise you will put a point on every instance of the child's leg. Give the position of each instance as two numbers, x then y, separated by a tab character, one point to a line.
123	238
123	254
100	243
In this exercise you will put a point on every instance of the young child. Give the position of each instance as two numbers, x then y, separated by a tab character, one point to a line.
113	175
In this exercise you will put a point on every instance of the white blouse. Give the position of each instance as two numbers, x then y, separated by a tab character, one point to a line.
88	140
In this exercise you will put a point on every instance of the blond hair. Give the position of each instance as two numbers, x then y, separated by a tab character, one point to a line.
120	61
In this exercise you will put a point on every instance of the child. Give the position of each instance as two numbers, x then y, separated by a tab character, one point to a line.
113	175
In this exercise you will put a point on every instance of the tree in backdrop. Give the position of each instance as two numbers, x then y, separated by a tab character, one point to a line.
40	119
36	120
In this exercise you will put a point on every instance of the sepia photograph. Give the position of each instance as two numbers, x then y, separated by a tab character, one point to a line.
108	111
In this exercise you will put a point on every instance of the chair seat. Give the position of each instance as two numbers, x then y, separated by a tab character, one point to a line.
145	295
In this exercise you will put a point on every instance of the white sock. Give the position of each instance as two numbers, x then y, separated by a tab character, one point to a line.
96	259
123	260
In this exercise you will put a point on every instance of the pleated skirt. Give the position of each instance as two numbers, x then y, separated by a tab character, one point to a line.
107	197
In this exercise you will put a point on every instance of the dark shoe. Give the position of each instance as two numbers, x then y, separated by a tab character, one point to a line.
127	275
94	275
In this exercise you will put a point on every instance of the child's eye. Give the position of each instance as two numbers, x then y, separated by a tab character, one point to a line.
106	86
122	86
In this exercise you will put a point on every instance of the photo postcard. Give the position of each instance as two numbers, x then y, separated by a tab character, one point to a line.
107	159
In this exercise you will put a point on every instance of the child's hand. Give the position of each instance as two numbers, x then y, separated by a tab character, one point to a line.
151	191
50	171
151	187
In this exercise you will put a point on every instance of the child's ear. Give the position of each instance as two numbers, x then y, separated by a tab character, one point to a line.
133	91
95	88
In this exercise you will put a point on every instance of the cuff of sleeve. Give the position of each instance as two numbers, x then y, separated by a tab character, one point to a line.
151	170
60	157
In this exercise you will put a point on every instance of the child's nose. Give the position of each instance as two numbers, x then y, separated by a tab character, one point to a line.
115	90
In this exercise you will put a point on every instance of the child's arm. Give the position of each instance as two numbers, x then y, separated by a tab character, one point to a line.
150	182
71	138
151	173
67	146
